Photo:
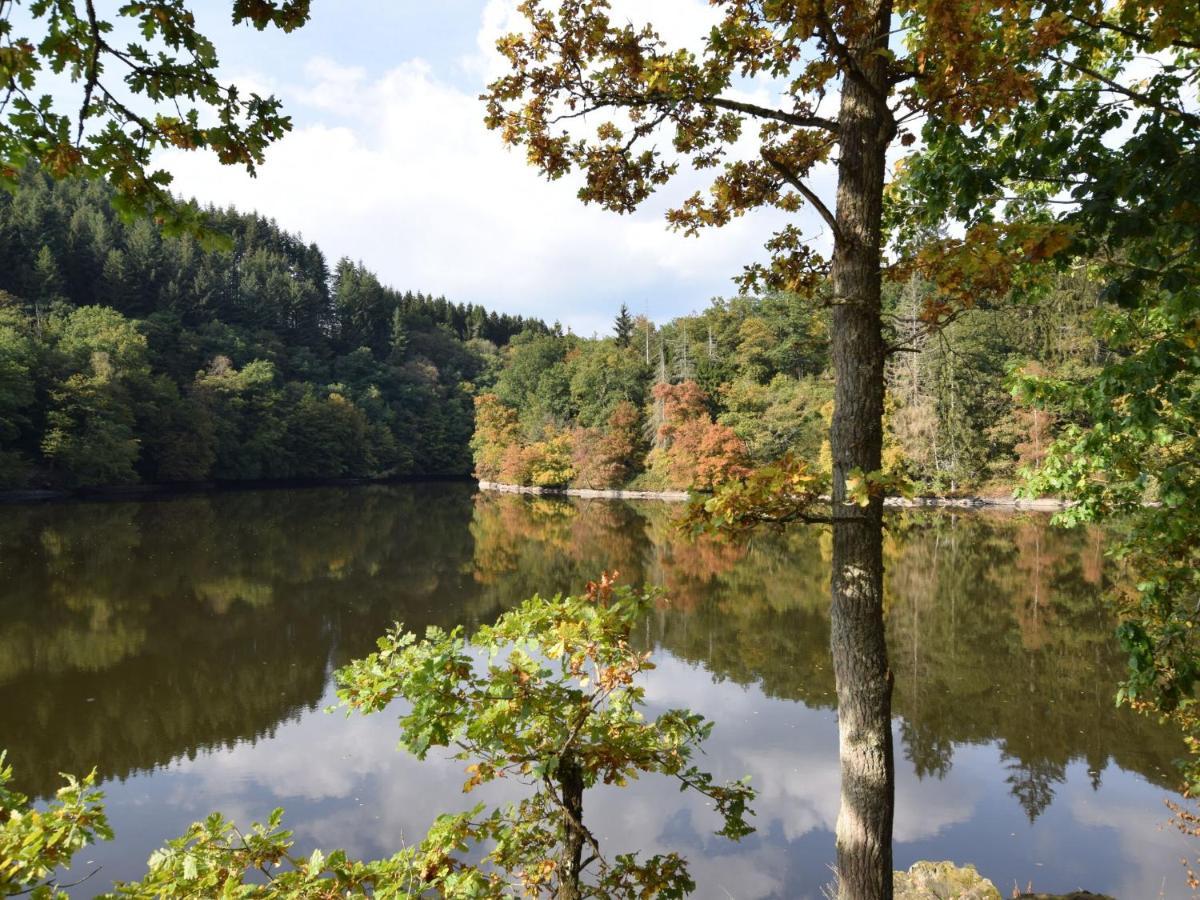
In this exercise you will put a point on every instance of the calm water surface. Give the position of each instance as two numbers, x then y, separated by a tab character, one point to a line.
185	648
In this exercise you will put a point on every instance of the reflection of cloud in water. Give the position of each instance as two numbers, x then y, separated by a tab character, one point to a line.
386	798
798	790
924	809
653	816
790	753
675	684
1140	829
345	783
384	795
317	757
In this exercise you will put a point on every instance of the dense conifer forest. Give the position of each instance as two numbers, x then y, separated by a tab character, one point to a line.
129	356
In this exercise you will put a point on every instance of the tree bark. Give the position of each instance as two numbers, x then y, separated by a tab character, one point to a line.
570	783
858	647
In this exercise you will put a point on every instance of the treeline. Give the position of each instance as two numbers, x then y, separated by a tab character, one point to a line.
129	356
710	395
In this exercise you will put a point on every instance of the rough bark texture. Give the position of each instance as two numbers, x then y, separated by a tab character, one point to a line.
570	782
864	683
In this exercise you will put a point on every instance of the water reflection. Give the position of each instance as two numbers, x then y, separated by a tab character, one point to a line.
184	646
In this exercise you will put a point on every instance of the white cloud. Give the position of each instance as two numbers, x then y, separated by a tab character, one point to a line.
398	170
1152	849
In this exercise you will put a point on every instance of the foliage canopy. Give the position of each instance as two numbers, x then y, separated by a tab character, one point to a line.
552	703
146	80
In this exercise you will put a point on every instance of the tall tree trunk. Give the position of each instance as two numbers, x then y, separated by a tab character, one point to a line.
864	681
570	782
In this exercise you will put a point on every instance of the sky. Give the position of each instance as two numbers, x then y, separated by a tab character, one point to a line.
389	164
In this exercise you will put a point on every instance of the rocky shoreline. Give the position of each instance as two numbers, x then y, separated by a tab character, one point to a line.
588	493
1047	504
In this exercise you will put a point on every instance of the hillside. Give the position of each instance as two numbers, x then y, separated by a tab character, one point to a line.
127	356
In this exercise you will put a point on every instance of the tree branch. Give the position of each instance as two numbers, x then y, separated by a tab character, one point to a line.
1129	32
849	64
791	178
1133	95
750	109
779	115
93	69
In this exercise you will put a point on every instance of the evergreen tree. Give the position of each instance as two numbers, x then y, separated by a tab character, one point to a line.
623	326
48	278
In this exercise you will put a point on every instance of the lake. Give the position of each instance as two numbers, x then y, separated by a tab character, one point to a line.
185	647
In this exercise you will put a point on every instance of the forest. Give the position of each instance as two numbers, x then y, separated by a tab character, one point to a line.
713	395
130	356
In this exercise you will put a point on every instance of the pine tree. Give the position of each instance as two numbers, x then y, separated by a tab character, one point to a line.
399	336
623	326
48	277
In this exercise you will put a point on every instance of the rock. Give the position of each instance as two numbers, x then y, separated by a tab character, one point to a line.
587	493
942	881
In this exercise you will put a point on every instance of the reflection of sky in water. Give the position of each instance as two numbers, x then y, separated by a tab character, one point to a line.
154	639
344	783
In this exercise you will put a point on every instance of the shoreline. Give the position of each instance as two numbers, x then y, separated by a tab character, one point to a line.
150	491
585	493
1041	504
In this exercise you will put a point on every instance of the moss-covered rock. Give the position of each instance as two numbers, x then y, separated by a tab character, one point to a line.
942	881
946	881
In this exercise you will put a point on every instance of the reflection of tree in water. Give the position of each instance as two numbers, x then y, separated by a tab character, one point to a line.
1033	784
527	544
930	752
994	625
134	632
688	570
148	630
996	633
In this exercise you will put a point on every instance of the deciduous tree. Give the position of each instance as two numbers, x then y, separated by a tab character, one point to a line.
692	451
496	430
586	92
